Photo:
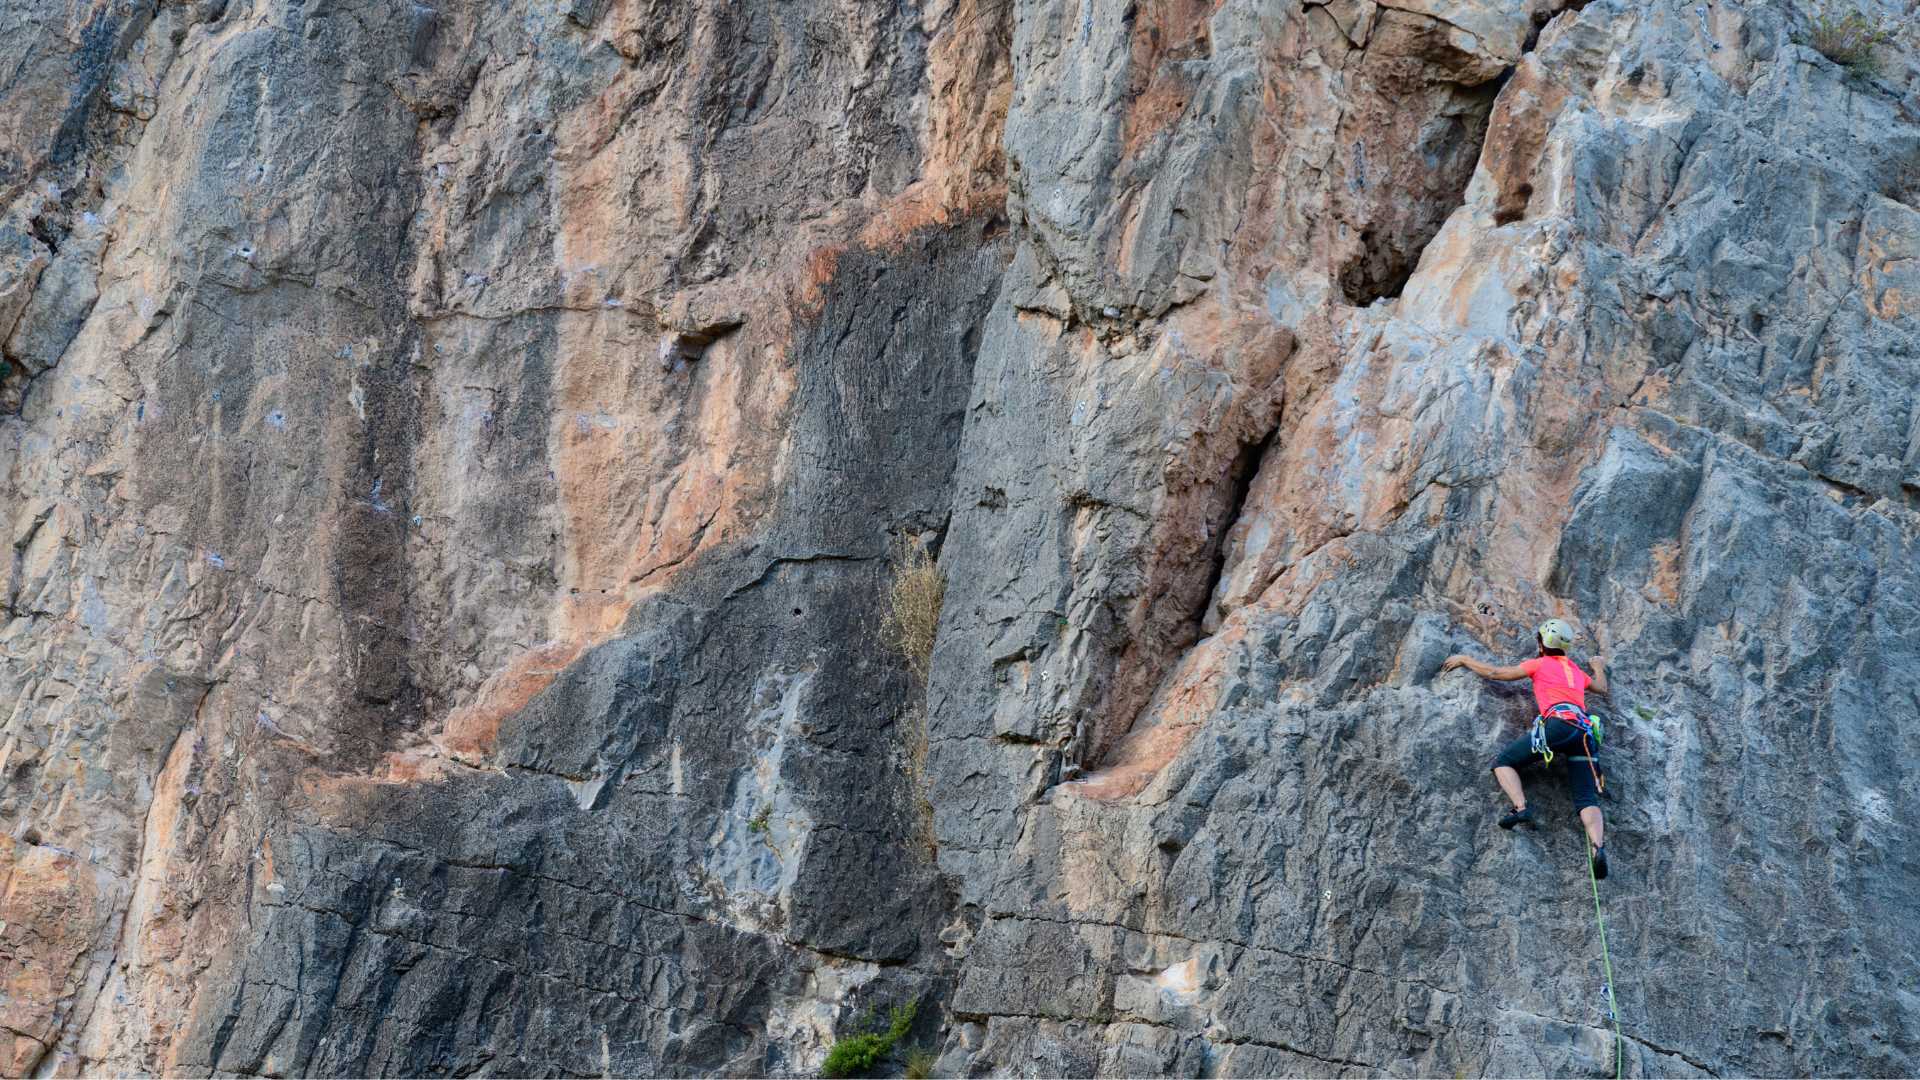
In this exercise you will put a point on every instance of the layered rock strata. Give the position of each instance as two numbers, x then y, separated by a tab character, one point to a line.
453	453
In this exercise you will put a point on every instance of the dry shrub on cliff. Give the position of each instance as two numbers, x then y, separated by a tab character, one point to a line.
920	1062
914	596
915	725
915	592
1850	37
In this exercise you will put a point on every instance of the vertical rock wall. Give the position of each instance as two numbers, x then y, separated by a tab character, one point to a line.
452	452
1625	384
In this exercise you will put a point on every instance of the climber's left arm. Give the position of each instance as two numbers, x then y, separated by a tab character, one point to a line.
1486	671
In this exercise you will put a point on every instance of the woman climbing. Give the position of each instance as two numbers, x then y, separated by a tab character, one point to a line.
1561	728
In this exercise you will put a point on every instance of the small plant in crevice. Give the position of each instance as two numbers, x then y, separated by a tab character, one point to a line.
1850	37
761	825
915	592
857	1054
920	1062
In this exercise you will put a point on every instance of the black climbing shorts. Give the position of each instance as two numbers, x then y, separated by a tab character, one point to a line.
1564	740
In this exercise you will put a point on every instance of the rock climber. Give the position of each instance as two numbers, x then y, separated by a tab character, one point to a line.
1563	727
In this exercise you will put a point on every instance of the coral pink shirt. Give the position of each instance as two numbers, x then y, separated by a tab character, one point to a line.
1557	679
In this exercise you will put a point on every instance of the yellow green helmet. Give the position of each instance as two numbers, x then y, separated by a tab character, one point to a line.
1554	634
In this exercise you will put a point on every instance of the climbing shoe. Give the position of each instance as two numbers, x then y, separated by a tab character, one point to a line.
1600	863
1518	817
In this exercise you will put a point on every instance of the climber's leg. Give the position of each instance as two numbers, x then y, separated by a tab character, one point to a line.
1596	825
1583	782
1506	771
1509	779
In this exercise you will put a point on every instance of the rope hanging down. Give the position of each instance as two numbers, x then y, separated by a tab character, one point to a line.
1613	1013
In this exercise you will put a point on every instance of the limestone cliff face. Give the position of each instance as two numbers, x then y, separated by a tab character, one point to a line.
452	451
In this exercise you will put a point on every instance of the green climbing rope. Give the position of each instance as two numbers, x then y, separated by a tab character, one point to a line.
1613	1004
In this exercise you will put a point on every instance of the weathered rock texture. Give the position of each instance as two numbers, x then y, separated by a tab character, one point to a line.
452	452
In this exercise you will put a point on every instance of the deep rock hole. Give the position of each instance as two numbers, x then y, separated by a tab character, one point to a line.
1398	224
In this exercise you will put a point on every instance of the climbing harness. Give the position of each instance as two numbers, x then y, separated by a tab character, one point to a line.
1592	734
1600	920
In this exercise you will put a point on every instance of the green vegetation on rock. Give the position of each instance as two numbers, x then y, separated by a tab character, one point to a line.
857	1054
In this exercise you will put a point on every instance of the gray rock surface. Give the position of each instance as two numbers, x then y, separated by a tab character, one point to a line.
452	454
